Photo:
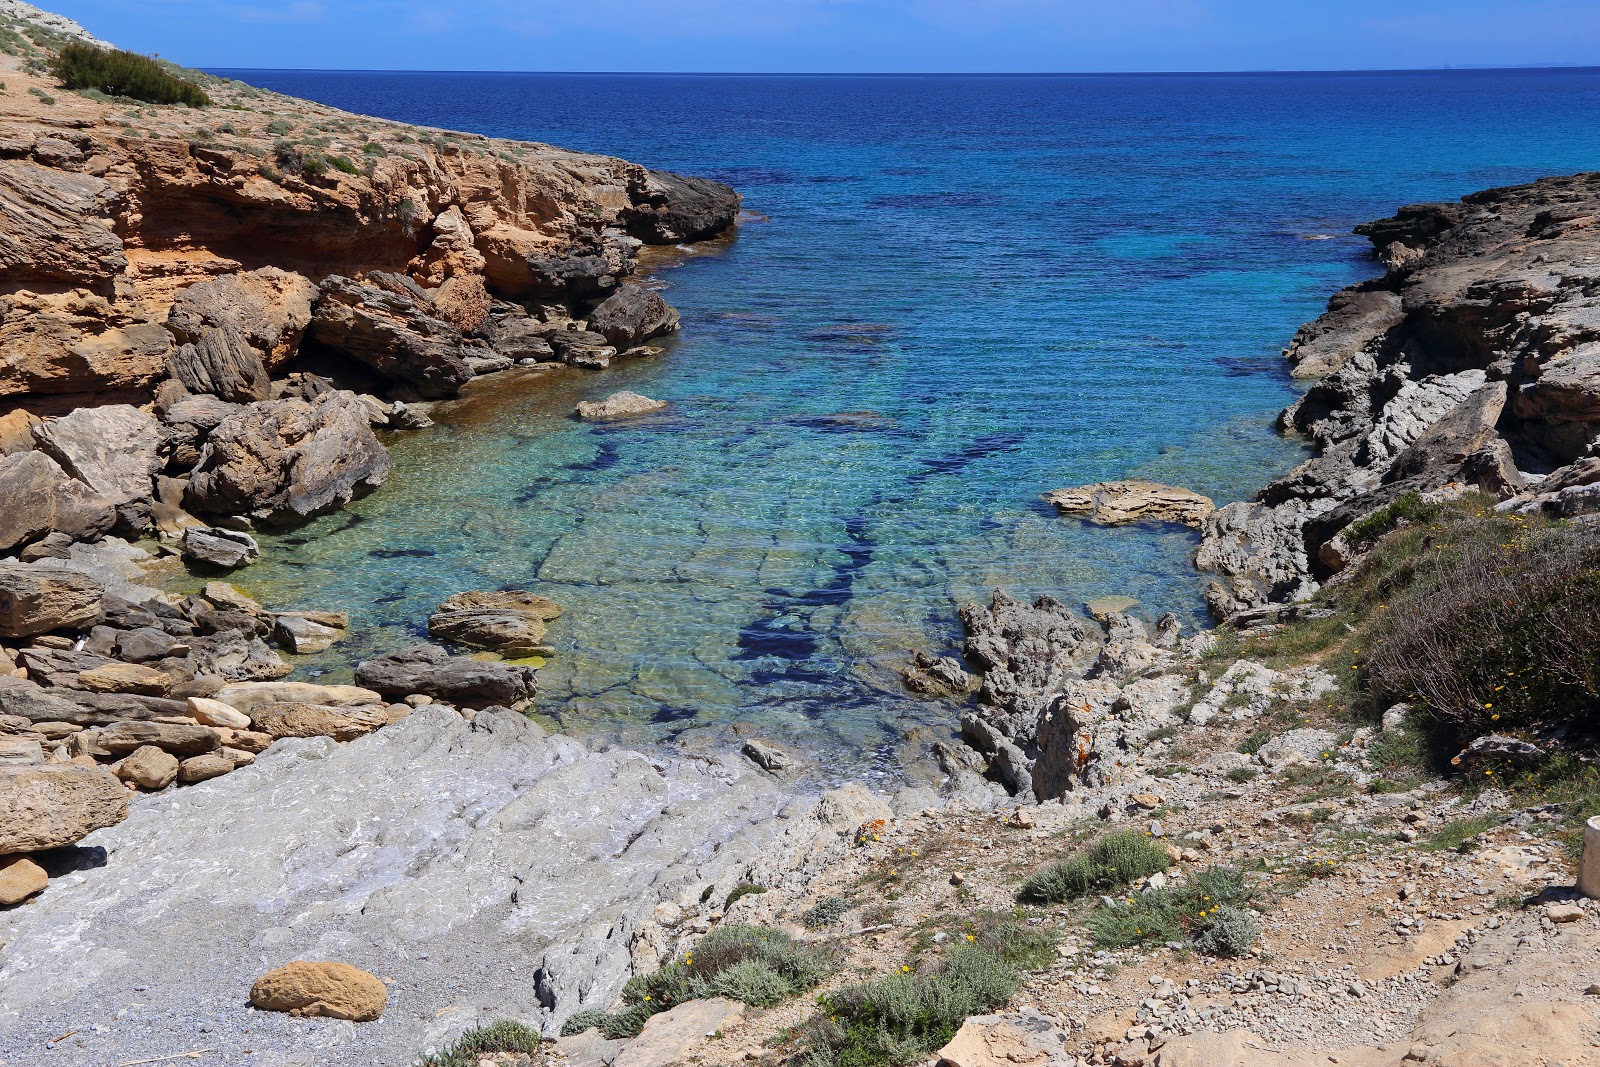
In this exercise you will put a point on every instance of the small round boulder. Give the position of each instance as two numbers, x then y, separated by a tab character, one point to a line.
331	990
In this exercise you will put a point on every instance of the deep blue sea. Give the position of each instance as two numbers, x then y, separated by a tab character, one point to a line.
1029	282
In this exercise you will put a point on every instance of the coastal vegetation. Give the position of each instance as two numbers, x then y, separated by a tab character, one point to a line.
127	74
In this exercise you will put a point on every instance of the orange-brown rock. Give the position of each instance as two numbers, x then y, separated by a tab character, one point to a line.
20	878
332	990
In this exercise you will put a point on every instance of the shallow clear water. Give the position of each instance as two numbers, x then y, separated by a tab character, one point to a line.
1028	282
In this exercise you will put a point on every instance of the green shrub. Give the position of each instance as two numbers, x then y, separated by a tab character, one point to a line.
739	892
1499	629
1229	931
470	1047
119	73
1115	860
1176	913
826	912
1024	947
755	964
905	1017
1406	508
1252	744
340	163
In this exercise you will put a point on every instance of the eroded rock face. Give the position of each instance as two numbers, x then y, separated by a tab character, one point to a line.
56	804
56	225
284	461
222	364
389	324
268	308
672	207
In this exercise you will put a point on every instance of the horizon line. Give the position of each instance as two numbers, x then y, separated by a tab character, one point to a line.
1262	72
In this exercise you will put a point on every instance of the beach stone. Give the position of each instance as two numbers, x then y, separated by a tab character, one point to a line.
247	696
313	720
20	752
56	804
511	621
148	767
20	878
36	598
209	712
123	737
1121	502
298	634
125	678
461	680
622	405
42	499
219	549
210	765
331	990
148	643
667	1037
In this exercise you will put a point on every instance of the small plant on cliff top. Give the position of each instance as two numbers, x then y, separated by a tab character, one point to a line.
1115	860
119	73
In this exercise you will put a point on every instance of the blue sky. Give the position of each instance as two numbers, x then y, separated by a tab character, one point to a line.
849	35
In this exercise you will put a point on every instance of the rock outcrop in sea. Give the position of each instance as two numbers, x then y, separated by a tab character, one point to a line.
1472	363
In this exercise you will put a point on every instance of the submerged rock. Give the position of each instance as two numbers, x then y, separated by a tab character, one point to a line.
1121	502
509	621
623	405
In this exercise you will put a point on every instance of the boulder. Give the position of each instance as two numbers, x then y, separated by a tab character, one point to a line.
631	316
20	878
201	768
623	405
249	696
56	804
316	720
332	990
208	712
25	699
512	621
42	499
214	548
581	348
115	450
430	670
1567	389
20	751
117	677
519	336
36	598
389	323
269	309
668	208
1121	502
123	737
222	364
285	461
147	767
16	431
303	636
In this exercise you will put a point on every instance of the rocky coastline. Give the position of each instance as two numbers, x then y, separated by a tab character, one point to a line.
208	323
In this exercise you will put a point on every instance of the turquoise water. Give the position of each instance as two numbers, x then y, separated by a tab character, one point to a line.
1026	283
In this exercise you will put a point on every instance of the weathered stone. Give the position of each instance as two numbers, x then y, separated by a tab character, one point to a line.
623	405
55	225
20	751
673	207
147	767
148	643
1118	503
219	549
222	364
249	696
284	461
115	450
56	804
77	342
202	768
209	712
668	1037
389	324
16	431
331	990
124	737
510	621
767	756
125	678
269	308
41	498
20	878
298	634
36	598
316	720
26	699
996	1041
462	681
1355	319
630	316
